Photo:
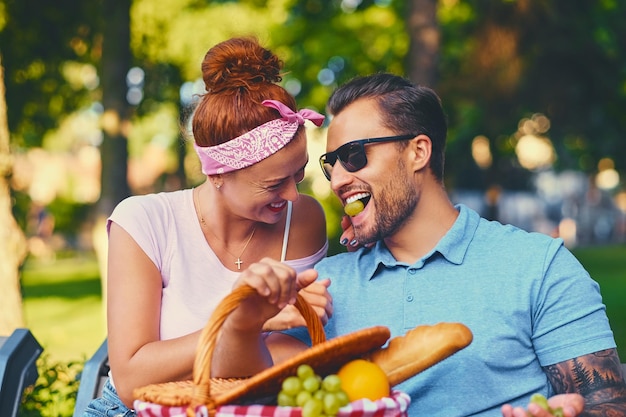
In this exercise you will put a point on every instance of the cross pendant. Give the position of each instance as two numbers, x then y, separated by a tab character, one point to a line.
238	262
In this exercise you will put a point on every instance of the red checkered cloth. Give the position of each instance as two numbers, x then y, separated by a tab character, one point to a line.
394	406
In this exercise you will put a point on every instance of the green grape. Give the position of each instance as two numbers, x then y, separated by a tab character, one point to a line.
304	371
331	383
311	384
292	385
331	404
303	397
542	402
354	208
343	398
285	400
319	394
312	408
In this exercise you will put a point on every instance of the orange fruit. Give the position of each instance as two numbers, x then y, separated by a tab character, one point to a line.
361	378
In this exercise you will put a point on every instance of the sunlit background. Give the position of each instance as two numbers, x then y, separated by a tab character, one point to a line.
523	147
534	93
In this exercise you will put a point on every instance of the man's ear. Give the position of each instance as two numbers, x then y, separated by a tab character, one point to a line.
421	150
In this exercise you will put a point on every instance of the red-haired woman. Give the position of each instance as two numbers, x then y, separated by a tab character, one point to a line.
174	255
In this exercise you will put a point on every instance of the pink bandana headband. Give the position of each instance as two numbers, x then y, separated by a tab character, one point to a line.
257	144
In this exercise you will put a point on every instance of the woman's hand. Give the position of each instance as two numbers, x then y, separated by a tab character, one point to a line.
241	349
317	295
277	285
571	404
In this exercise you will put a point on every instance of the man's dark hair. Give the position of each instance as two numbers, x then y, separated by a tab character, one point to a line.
406	108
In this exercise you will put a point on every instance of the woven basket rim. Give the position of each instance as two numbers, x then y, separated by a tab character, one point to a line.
325	356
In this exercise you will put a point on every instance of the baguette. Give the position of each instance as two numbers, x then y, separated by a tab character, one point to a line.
419	349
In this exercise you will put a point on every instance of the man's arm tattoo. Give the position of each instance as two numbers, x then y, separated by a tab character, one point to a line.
597	377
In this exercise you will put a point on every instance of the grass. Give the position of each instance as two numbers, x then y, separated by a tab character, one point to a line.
64	310
607	265
63	306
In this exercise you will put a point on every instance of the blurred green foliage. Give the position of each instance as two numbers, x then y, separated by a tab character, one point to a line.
504	60
54	392
37	41
69	216
499	61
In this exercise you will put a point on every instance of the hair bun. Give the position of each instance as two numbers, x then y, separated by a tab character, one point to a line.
239	63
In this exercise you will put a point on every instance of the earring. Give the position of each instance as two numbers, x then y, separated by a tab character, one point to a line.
218	186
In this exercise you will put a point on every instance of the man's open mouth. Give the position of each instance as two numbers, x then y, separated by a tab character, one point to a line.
356	203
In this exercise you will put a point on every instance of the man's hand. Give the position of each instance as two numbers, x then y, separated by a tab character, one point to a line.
317	295
571	405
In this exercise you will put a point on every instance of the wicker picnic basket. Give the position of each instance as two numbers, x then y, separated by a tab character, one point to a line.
206	396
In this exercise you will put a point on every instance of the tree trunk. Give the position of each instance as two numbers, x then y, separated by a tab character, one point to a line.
423	28
116	61
13	248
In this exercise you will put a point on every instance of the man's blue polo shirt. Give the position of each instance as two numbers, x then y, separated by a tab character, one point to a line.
527	300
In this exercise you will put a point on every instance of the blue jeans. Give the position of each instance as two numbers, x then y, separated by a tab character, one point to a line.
108	405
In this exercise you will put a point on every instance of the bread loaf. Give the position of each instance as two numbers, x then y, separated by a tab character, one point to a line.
419	349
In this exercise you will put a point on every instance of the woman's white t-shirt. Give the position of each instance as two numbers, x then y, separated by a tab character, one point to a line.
166	228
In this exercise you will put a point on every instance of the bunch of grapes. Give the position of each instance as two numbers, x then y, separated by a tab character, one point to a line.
317	396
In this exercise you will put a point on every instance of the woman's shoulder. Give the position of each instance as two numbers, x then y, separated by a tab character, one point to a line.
150	207
309	204
151	201
308	213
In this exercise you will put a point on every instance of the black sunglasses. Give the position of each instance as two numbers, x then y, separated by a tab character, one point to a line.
352	154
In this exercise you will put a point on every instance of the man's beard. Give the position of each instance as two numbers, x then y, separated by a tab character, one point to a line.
395	204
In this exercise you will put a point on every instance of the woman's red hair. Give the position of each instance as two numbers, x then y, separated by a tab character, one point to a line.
238	75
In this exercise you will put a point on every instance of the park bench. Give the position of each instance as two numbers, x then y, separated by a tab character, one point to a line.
92	379
18	369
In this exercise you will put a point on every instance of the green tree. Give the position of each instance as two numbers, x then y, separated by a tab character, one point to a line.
504	60
422	58
115	63
12	242
38	48
42	44
116	119
50	50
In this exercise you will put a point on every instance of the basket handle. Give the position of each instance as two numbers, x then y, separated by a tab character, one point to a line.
208	337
